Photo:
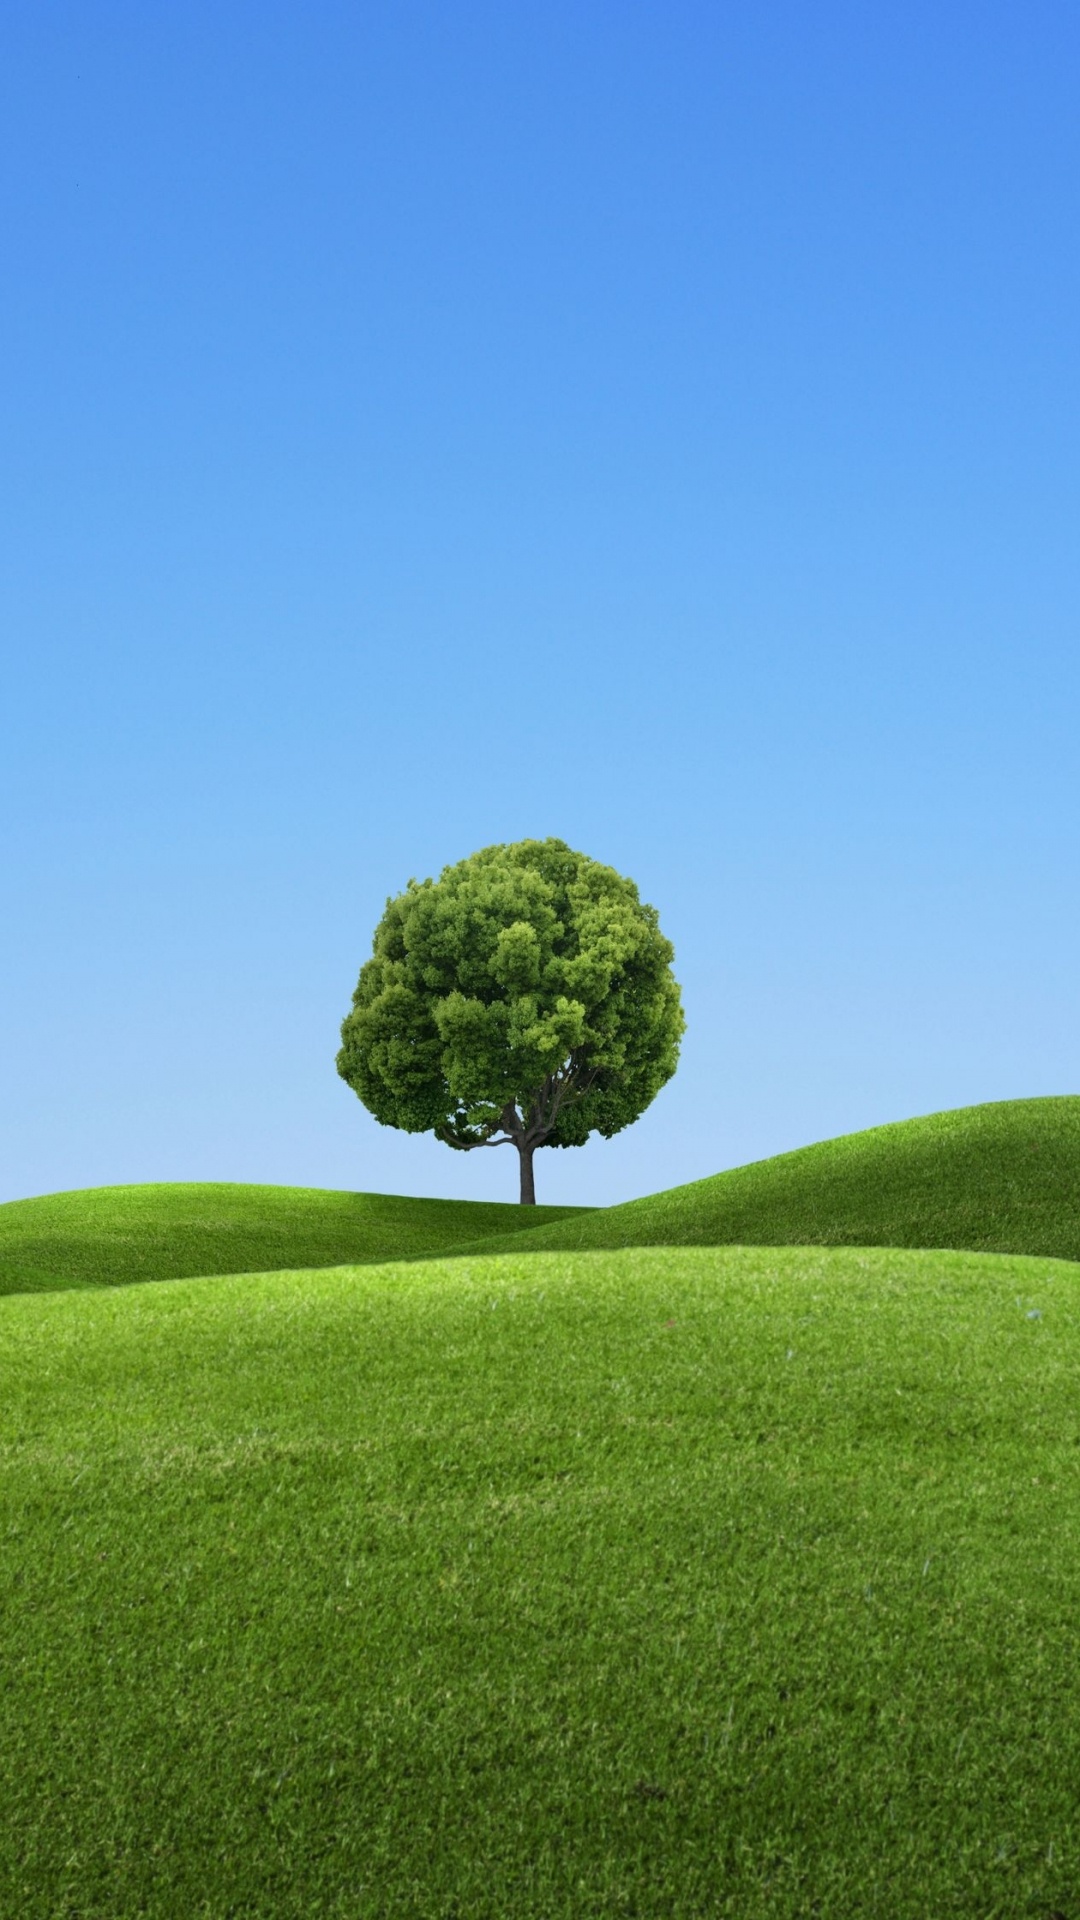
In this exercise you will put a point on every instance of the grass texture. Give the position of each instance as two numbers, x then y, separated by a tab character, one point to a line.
110	1236
661	1582
999	1178
1002	1178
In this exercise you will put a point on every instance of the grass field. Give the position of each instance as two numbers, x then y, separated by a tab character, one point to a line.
999	1178
110	1236
661	1582
1002	1178
551	1581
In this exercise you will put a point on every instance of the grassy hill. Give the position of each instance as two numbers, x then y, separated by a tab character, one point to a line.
109	1236
1003	1177
666	1582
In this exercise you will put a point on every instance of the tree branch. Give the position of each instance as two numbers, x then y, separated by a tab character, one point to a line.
529	1129
513	1132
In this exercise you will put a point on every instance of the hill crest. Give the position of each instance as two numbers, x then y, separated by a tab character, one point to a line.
1002	1177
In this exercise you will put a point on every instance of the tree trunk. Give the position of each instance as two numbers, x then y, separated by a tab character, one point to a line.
528	1190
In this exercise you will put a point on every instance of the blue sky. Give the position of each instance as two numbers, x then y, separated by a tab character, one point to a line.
431	425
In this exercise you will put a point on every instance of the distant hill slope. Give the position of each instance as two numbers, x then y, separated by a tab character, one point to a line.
108	1236
1001	1178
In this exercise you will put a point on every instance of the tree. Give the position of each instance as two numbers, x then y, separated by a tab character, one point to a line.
524	998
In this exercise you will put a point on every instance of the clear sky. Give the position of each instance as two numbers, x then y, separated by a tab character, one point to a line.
426	425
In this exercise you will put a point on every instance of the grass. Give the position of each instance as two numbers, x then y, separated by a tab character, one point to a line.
660	1582
1002	1178
998	1178
604	1569
110	1236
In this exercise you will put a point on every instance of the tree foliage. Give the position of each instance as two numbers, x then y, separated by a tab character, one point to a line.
525	997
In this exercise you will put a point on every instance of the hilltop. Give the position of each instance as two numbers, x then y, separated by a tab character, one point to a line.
1001	1178
113	1236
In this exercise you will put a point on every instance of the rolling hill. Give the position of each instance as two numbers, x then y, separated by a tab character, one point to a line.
1002	1178
673	1582
112	1236
594	1566
998	1178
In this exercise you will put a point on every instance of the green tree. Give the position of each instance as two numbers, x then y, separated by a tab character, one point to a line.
524	998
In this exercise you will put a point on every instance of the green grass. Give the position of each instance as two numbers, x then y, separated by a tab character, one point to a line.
577	1575
999	1178
1002	1178
669	1582
114	1235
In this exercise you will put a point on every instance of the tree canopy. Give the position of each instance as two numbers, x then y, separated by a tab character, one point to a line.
524	998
